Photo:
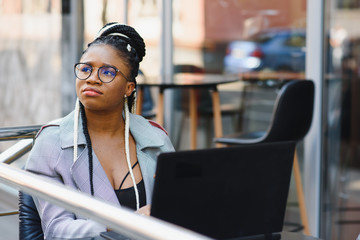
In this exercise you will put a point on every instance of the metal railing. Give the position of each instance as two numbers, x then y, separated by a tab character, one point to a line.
26	133
16	151
14	133
120	220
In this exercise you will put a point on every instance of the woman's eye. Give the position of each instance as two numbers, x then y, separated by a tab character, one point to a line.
109	72
85	69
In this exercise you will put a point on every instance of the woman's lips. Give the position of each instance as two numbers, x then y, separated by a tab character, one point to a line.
89	91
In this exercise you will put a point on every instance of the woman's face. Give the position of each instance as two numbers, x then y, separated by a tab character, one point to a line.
96	95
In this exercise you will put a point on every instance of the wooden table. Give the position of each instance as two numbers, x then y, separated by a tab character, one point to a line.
191	81
264	75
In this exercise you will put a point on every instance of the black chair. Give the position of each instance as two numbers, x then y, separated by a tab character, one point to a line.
29	219
291	120
187	68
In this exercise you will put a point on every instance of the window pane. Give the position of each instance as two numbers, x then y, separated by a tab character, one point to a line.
341	168
243	36
30	37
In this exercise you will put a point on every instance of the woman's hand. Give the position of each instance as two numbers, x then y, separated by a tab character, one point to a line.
145	210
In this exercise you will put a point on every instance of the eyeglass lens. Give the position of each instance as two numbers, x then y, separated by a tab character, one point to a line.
105	73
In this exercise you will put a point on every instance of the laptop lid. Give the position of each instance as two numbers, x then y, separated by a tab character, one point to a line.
225	192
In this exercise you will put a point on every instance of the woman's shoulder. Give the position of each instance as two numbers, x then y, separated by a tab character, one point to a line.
148	133
49	128
53	128
45	150
157	125
140	122
48	146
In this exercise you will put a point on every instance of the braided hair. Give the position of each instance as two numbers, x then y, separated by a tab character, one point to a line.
130	46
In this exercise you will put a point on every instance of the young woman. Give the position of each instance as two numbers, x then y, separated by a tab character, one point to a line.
100	148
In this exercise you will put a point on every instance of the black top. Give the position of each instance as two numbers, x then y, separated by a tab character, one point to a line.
127	196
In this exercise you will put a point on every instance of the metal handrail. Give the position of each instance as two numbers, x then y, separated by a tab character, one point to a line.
21	132
16	151
119	219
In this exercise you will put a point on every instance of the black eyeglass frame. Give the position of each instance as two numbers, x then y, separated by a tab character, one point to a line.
98	72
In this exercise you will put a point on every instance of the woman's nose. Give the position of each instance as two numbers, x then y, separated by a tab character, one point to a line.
94	77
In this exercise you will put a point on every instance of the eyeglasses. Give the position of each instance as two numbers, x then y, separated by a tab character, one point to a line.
106	74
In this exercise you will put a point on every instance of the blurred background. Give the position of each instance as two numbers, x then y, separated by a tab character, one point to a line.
40	40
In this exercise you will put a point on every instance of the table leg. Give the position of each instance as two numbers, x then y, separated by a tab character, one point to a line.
139	100
217	115
300	195
193	118
160	109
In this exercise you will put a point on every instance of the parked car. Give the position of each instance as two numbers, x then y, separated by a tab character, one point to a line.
273	49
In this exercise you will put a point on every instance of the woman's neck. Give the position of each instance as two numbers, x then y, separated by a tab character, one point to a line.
107	123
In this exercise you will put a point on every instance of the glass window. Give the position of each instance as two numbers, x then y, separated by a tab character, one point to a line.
243	37
30	62
30	67
99	12
206	33
296	41
145	17
341	168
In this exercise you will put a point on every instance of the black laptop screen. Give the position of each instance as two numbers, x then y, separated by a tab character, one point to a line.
225	192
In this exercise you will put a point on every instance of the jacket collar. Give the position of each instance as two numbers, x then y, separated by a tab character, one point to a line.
144	133
67	132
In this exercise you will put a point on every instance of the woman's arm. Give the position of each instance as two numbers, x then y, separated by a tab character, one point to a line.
44	160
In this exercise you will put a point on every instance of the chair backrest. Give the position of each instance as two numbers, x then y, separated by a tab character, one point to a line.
188	68
148	103
293	112
29	219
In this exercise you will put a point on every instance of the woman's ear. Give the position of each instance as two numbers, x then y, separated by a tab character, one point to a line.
130	86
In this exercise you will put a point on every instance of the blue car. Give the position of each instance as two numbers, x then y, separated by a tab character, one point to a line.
273	49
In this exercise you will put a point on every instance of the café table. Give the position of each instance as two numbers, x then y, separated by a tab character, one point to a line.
191	81
269	75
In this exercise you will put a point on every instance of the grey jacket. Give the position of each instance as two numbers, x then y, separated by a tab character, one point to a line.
52	157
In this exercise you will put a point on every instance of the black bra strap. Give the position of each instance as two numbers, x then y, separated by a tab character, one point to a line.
127	175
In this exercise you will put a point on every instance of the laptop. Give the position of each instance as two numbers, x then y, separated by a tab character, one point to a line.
225	193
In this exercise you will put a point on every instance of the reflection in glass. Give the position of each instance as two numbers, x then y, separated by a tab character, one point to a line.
341	175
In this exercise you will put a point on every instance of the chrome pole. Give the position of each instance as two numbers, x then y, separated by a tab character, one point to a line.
14	133
16	151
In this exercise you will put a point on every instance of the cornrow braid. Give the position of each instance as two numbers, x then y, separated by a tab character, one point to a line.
88	143
130	34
